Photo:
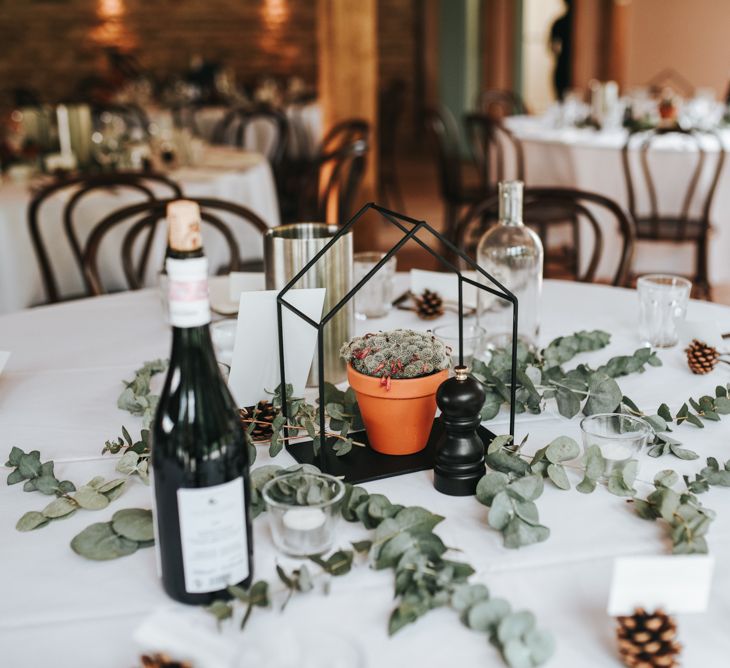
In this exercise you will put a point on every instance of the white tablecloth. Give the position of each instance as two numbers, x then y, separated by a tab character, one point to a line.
241	177
58	394
591	160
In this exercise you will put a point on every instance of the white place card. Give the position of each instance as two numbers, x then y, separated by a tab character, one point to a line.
446	284
675	583
255	364
4	357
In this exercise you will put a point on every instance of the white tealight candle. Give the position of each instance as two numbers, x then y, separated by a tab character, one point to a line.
64	129
616	452
304	519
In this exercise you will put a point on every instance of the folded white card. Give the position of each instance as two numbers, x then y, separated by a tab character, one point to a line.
446	284
4	356
675	583
255	364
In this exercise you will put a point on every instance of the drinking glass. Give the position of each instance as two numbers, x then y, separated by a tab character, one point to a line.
662	304
618	436
375	297
474	341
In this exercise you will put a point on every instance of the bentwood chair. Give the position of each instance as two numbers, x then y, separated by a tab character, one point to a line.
554	207
231	130
74	190
144	219
493	147
498	103
455	192
690	225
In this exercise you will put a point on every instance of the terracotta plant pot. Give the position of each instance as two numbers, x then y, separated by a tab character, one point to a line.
399	420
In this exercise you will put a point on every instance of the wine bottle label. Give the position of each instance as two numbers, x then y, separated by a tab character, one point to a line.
188	292
213	536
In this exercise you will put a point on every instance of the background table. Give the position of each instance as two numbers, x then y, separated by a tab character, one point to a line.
241	177
58	395
591	160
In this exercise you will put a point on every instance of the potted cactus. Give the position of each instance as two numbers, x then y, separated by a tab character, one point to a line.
395	376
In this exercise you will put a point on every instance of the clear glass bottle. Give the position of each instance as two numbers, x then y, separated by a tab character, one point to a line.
512	253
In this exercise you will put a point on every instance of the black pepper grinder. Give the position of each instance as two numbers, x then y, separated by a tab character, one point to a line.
460	452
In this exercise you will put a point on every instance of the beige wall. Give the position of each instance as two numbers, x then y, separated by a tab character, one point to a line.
690	36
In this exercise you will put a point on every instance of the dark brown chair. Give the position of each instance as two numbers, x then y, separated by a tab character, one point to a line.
335	174
78	188
390	114
558	206
455	193
491	143
498	103
144	218
683	227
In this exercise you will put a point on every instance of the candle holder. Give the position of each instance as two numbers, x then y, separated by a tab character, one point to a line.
303	510
362	464
619	437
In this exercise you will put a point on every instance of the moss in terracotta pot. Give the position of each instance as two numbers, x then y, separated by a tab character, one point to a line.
395	376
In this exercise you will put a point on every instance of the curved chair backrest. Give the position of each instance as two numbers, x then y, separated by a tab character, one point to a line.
442	126
499	103
145	216
390	113
343	134
232	129
557	206
488	140
132	115
79	187
644	141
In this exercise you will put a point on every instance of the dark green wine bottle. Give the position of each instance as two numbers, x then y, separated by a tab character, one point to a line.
198	454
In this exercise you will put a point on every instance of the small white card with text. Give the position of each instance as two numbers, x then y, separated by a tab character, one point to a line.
675	583
4	356
255	363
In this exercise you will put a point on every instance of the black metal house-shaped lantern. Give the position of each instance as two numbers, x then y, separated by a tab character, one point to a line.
363	464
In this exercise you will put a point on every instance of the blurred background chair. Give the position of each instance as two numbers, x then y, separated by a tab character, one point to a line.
691	224
565	208
390	114
143	220
498	103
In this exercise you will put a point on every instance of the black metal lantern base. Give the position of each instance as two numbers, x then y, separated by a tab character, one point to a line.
365	464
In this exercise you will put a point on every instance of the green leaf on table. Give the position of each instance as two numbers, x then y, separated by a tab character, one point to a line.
100	543
515	625
464	596
61	507
683	453
484	616
604	395
89	499
14	456
134	524
499	442
528	488
557	475
32	520
541	645
568	402
489	486
562	449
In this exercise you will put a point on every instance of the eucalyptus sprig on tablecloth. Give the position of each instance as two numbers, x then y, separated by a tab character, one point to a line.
135	454
403	540
129	530
137	397
38	477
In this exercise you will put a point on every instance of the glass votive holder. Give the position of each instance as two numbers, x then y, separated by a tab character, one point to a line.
663	302
374	299
474	341
619	437
223	334
303	510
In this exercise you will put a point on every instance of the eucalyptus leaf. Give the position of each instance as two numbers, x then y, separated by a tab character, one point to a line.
134	524
100	543
61	507
31	520
485	615
89	499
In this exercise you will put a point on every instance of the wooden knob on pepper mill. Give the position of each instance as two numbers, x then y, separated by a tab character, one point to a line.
459	463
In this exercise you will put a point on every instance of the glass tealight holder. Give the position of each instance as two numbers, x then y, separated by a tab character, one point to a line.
374	299
223	334
619	437
303	510
662	304
474	341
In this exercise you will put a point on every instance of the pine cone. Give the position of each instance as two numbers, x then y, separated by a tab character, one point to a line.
648	640
263	411
429	305
701	358
162	661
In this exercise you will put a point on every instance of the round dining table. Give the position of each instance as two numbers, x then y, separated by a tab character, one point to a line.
242	177
590	160
58	395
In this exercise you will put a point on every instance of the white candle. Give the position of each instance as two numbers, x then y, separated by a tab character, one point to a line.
304	519
615	452
64	129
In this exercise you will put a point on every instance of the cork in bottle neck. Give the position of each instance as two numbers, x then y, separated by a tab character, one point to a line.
183	218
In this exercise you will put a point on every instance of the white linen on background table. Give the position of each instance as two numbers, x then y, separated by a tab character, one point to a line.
58	395
241	177
591	160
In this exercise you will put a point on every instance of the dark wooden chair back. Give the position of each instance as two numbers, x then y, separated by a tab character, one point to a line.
499	103
144	218
78	188
660	225
491	145
231	129
443	128
558	206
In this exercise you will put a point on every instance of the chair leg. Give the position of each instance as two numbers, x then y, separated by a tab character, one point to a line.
701	272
